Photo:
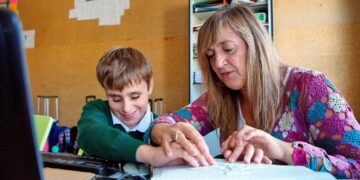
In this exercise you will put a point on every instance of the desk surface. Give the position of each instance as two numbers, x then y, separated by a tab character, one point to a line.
224	170
61	174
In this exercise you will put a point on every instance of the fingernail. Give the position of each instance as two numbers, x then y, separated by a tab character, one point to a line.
193	153
205	164
203	150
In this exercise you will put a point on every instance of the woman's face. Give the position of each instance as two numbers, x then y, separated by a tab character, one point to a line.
228	59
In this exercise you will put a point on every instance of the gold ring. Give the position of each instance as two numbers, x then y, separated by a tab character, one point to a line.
175	137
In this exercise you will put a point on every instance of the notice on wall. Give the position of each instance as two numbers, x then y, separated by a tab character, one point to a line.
108	12
29	36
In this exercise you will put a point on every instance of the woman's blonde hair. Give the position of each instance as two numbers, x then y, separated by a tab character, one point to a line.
263	85
122	66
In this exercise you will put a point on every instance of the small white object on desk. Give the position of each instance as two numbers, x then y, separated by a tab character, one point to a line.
136	168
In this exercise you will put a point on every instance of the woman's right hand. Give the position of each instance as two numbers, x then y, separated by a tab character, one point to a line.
187	137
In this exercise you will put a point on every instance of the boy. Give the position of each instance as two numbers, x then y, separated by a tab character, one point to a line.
118	129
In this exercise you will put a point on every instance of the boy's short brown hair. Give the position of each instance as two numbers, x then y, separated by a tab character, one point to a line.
121	66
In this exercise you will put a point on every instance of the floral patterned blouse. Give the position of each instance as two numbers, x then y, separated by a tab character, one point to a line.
314	115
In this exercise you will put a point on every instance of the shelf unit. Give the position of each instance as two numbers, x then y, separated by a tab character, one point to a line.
196	19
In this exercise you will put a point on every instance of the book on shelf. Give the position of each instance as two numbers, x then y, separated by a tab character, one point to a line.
209	5
206	9
197	27
195	55
249	2
261	16
243	2
198	79
205	3
257	6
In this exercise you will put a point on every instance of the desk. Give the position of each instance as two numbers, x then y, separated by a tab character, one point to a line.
64	174
61	174
224	170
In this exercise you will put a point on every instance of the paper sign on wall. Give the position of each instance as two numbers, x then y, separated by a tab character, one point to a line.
29	36
108	12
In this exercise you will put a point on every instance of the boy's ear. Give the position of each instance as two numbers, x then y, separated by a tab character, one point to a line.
151	85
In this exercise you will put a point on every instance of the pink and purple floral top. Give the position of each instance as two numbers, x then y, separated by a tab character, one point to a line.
314	115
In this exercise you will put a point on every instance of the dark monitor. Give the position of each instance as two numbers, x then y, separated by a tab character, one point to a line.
20	158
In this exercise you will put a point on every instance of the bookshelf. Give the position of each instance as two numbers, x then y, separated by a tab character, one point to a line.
198	14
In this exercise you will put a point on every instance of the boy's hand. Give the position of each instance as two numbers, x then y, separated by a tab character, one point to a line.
155	156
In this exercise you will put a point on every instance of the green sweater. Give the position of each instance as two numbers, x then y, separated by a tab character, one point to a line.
98	137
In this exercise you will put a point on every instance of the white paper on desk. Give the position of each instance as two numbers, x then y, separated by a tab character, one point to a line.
224	170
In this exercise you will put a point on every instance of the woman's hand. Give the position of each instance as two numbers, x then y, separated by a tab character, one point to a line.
187	137
249	154
238	143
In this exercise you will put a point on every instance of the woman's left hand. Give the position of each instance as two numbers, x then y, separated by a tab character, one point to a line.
237	144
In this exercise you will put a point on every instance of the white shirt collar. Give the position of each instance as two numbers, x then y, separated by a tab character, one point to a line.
142	126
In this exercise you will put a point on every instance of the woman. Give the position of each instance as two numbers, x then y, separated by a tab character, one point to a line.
292	115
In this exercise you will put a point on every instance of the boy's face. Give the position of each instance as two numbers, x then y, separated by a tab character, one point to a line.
131	103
